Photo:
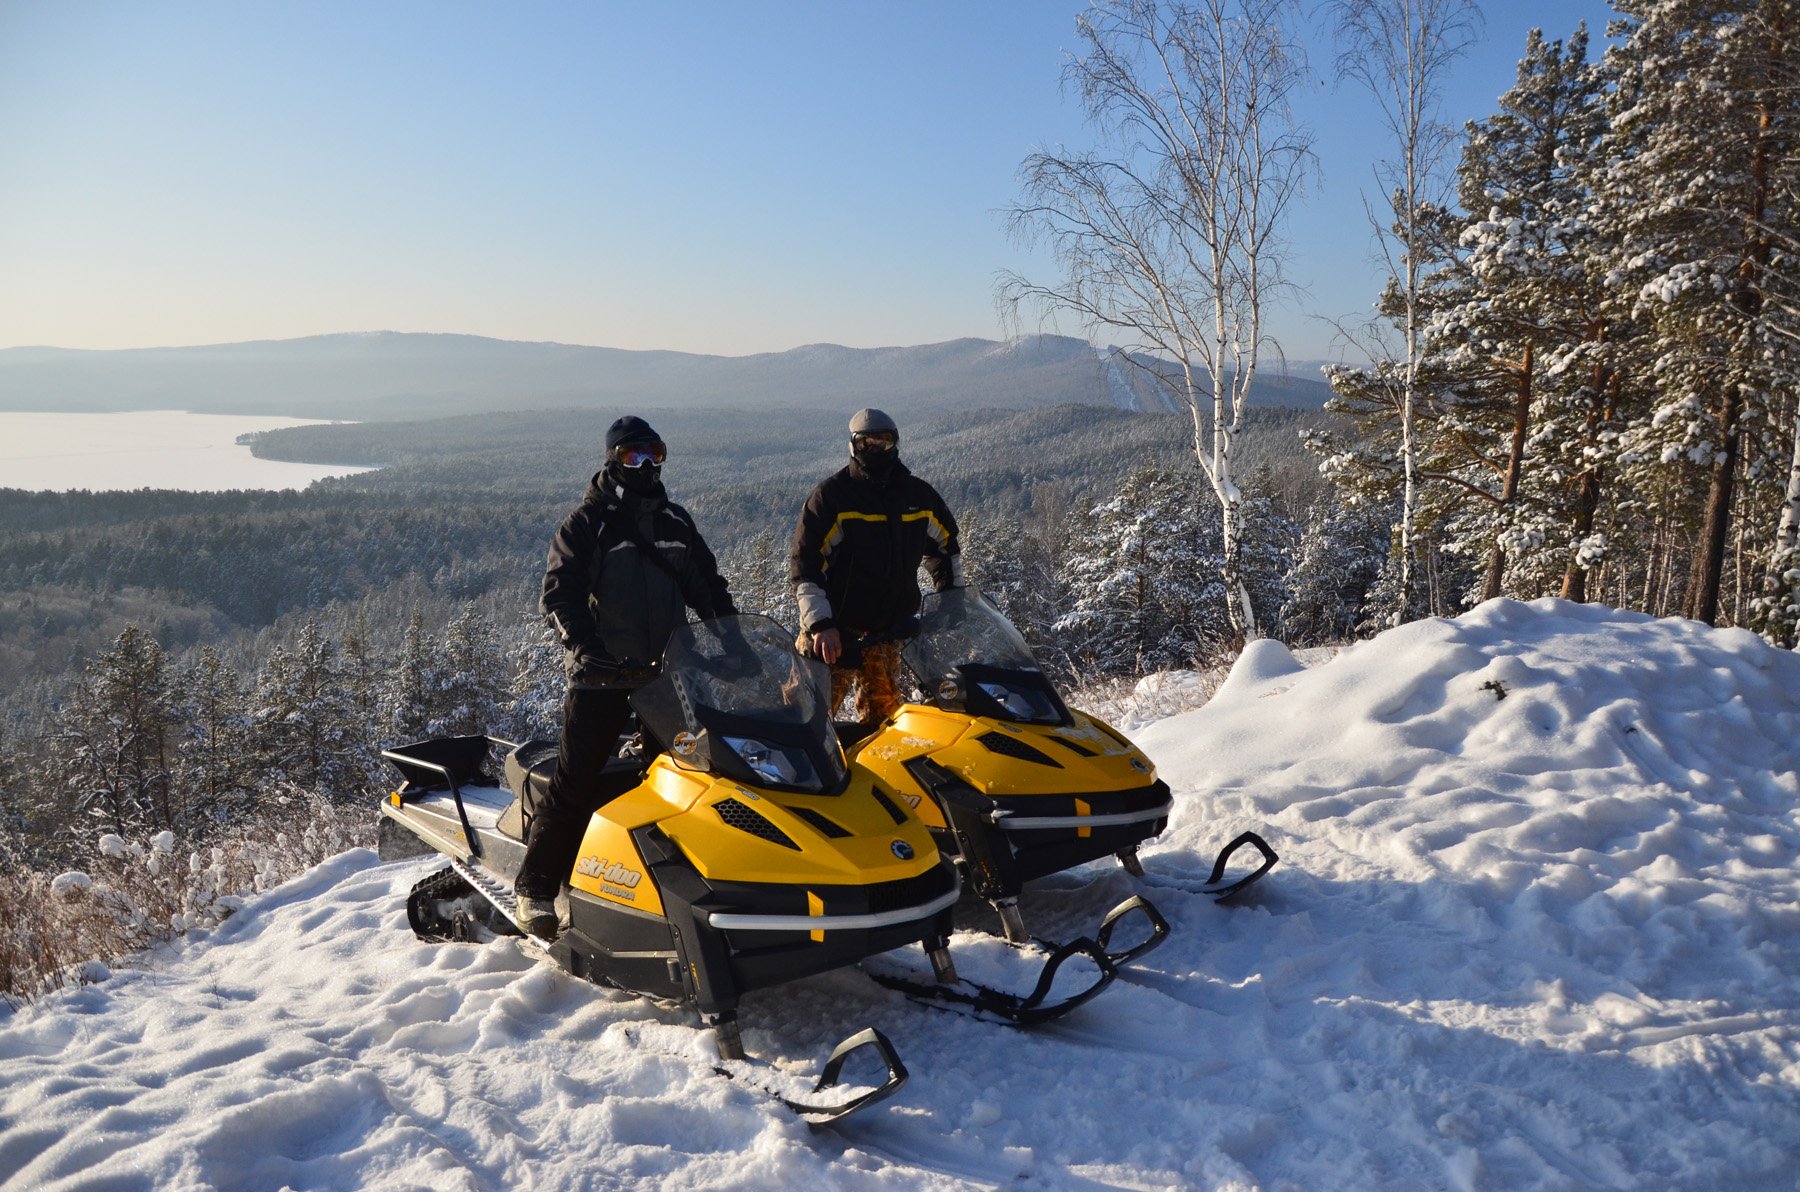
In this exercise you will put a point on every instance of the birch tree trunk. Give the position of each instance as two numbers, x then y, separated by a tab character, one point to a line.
1399	50
1171	234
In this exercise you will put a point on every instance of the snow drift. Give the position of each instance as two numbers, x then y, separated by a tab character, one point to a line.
1532	928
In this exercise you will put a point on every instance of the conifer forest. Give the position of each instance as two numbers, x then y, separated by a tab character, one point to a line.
1582	381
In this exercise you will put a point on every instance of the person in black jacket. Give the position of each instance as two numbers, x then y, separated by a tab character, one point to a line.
855	561
622	570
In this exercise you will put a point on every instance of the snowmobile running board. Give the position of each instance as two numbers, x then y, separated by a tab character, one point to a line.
1221	893
740	1066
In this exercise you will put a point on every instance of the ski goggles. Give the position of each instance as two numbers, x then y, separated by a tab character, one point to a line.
875	440
641	455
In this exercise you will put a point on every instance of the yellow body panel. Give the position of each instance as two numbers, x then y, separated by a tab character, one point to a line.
952	739
683	804
609	867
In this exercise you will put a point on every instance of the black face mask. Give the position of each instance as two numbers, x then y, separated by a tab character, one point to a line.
643	482
878	464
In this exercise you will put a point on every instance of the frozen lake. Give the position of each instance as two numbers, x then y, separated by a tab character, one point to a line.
149	449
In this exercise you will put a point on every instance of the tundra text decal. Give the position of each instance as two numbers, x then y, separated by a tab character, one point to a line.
612	874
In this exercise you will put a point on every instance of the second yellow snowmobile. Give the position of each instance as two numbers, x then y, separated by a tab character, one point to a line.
1010	780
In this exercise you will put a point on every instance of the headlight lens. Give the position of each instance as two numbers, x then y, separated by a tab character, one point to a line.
1026	705
781	766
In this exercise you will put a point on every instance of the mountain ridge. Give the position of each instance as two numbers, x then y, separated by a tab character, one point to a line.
384	375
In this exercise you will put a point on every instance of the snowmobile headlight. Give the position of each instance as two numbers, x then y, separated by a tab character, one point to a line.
1026	705
775	765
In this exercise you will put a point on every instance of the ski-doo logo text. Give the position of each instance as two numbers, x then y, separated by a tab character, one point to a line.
610	872
902	850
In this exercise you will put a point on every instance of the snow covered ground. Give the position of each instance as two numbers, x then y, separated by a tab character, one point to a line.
1535	926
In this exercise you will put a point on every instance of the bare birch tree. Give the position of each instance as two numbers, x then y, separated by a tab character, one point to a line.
1400	50
1170	236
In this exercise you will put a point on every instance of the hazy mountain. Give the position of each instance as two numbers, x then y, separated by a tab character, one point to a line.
385	375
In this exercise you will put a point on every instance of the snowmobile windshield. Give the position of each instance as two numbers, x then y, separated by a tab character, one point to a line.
967	655
734	699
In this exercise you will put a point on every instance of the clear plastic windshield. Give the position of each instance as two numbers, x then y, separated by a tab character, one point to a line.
958	626
969	657
733	697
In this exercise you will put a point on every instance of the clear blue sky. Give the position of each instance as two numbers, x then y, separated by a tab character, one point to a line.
722	177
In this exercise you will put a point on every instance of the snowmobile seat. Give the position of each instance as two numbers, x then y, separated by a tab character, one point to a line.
528	772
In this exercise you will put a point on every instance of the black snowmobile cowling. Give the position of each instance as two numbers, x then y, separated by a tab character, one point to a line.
1010	780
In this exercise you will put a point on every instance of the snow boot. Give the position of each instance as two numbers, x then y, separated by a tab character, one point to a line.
537	916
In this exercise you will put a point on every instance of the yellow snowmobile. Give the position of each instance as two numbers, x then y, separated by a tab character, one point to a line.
746	854
1009	779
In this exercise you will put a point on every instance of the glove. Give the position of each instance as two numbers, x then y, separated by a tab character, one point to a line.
595	667
736	657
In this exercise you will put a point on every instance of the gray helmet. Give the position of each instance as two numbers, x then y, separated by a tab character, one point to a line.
871	419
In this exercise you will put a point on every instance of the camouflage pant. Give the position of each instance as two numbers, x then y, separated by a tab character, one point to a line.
877	680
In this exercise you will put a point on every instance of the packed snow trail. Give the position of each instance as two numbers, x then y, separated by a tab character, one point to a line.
1532	928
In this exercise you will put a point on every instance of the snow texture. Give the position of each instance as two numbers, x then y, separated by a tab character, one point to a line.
1532	929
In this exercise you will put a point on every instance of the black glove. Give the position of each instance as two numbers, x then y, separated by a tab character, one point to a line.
593	665
735	665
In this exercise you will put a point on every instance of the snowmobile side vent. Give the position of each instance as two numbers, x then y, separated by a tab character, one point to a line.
1013	748
746	820
825	826
887	805
1072	747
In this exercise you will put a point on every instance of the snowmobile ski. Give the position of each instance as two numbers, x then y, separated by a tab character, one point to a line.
457	902
949	991
825	1113
1137	903
1221	890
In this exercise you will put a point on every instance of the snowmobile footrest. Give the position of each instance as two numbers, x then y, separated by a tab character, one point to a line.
1221	892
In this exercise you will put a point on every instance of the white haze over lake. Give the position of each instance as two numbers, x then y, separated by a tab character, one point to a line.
147	449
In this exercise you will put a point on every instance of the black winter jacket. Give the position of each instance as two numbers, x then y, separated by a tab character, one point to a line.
605	596
856	553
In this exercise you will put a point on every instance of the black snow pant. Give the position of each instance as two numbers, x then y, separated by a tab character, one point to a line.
593	721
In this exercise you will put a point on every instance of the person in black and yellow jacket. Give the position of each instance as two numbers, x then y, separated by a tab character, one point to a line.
862	536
